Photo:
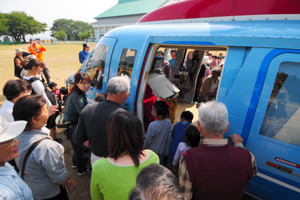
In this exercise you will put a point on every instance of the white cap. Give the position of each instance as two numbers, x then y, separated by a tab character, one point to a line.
10	130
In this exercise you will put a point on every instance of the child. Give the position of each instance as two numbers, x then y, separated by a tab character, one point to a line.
56	92
186	119
64	91
101	97
158	137
191	139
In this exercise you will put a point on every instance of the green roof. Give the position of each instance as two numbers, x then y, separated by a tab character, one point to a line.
131	7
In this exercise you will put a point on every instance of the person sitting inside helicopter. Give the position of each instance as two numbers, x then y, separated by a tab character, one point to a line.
210	86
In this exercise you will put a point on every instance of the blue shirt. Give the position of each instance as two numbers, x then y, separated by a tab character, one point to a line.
177	137
12	186
158	137
172	62
45	168
82	56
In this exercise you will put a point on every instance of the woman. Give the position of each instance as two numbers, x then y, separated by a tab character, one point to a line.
11	185
45	171
75	103
187	65
114	177
35	67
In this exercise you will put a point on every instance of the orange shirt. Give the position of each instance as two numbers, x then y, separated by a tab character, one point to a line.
37	50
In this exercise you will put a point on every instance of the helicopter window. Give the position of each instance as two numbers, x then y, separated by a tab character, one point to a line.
95	65
281	121
126	62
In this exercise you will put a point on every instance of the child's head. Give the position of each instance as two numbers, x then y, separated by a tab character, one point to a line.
53	86
100	98
192	136
64	90
160	109
25	54
186	116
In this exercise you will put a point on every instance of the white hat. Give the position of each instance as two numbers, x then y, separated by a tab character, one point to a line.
19	50
10	130
31	56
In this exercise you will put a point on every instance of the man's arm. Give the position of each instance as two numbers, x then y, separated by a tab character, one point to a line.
42	48
184	180
237	140
18	63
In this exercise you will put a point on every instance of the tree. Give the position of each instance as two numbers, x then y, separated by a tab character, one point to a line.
62	24
20	24
3	24
75	30
60	35
85	35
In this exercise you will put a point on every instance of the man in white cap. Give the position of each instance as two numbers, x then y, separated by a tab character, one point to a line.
18	62
11	185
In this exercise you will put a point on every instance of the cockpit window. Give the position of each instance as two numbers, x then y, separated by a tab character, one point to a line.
126	62
95	65
283	113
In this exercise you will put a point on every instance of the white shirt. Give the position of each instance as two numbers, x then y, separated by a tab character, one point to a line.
39	89
6	111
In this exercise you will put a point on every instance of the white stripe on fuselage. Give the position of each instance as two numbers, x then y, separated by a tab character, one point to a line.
278	182
228	18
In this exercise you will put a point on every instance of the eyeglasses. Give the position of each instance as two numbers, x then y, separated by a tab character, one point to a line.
9	142
129	95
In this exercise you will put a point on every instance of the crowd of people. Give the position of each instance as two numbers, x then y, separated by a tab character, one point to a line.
183	162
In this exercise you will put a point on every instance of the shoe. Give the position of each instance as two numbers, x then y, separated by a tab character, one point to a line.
82	173
74	166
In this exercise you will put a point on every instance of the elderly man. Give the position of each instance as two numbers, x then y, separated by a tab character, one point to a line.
94	117
215	169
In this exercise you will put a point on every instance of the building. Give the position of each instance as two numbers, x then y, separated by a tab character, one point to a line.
126	12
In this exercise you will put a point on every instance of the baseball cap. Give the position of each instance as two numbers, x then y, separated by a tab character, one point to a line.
86	45
10	130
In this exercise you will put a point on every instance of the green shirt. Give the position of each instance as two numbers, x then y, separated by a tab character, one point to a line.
114	182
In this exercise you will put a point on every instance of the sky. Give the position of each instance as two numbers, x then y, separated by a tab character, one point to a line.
46	11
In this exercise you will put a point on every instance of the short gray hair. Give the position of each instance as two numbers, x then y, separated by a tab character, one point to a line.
213	117
118	84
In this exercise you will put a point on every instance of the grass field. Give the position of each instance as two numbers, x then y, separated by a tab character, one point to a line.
61	59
